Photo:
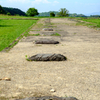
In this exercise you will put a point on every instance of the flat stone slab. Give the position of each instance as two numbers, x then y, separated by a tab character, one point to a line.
49	98
46	42
47	29
47	57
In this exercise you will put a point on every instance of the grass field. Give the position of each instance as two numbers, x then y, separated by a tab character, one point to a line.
12	29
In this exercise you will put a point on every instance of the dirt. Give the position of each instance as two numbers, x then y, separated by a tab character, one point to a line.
78	77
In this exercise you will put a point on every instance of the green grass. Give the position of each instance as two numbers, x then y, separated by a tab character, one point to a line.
32	34
90	22
36	34
12	29
6	16
56	34
93	22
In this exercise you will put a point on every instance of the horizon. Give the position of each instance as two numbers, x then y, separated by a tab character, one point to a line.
79	7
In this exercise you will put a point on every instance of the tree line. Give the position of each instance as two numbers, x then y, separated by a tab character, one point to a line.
63	12
11	11
33	12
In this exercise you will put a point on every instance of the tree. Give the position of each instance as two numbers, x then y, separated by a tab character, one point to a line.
52	14
63	12
2	11
8	13
32	12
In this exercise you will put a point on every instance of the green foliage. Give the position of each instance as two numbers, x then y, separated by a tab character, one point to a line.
32	12
2	11
63	12
95	16
12	29
8	13
52	14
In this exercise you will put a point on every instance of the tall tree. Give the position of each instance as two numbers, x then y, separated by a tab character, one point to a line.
2	11
63	12
32	12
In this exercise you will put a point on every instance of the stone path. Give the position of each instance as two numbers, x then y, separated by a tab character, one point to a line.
78	77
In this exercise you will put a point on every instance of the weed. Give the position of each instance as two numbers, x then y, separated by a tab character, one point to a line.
75	33
36	34
52	23
38	45
56	34
32	34
66	96
27	58
44	35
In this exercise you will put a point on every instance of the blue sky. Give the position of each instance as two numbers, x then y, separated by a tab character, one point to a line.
74	6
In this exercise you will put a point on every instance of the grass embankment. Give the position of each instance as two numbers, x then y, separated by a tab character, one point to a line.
93	22
90	22
12	29
7	16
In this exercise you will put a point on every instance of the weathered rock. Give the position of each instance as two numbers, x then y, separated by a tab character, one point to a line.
6	79
49	98
46	42
47	57
47	29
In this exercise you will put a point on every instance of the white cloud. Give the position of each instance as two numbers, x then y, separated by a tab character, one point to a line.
29	1
56	2
40	1
36	1
18	1
46	1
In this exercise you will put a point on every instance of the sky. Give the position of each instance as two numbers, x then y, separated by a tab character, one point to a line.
73	6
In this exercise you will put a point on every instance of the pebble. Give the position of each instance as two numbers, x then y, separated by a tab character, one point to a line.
52	90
